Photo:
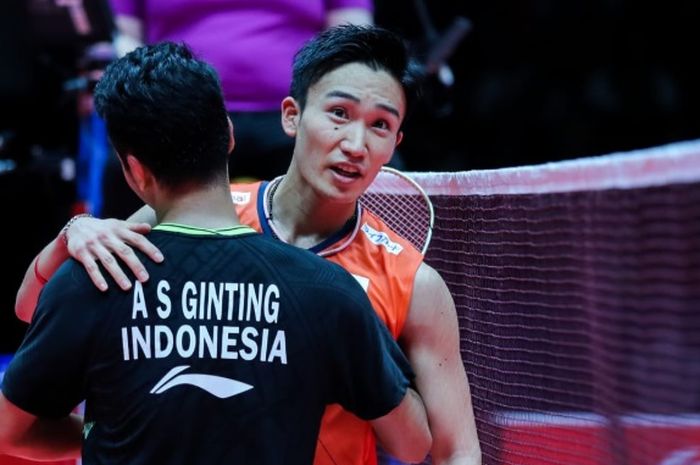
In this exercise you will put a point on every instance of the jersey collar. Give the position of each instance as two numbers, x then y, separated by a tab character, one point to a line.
332	244
196	231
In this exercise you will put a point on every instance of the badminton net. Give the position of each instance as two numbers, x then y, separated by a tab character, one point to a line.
577	286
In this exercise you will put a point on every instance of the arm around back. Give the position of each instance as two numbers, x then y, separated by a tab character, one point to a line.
404	432
90	240
27	436
40	270
43	383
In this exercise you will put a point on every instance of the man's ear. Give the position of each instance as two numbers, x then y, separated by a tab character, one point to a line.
291	113
136	172
232	140
399	138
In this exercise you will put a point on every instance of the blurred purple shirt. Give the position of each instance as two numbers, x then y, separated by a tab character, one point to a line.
251	43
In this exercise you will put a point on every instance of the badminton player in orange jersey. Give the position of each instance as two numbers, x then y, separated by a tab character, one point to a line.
349	96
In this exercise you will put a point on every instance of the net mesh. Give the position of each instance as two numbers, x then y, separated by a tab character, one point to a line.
577	286
394	197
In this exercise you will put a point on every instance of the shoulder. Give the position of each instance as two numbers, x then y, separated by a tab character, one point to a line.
427	278
301	264
70	276
430	290
70	292
328	294
377	236
431	306
70	296
379	233
386	255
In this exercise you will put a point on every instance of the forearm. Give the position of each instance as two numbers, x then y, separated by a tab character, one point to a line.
40	269
404	432
47	440
445	389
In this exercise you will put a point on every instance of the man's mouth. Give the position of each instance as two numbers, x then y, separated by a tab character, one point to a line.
346	171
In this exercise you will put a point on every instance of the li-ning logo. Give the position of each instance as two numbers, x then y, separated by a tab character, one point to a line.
381	238
218	386
240	198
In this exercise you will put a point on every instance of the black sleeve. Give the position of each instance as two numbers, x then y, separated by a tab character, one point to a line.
46	375
370	370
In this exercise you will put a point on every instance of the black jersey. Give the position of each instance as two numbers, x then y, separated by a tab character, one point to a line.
227	355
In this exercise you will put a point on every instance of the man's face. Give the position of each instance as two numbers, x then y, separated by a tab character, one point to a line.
348	130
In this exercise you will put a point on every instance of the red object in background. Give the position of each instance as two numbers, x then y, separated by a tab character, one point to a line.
5	460
571	438
78	207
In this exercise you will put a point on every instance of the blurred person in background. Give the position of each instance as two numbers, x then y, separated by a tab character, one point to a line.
251	44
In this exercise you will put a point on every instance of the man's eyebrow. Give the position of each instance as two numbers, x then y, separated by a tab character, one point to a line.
345	95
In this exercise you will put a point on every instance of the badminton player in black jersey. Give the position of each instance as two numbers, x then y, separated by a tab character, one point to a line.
233	348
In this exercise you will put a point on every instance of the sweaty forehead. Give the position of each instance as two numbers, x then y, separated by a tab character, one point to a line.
376	87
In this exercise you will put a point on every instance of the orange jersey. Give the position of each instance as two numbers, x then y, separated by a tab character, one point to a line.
385	265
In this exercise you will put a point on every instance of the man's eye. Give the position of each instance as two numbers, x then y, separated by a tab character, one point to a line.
381	124
339	112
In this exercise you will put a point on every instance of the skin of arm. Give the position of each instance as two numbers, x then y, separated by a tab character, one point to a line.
46	264
91	240
404	432
430	339
27	436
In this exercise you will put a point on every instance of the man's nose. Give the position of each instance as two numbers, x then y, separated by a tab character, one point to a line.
354	141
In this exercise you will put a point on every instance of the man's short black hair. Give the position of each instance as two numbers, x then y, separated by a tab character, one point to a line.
166	108
376	47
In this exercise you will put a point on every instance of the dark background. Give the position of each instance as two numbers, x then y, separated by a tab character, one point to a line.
544	80
535	81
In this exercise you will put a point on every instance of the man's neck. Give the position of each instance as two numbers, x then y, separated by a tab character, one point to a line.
210	208
303	217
